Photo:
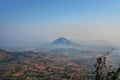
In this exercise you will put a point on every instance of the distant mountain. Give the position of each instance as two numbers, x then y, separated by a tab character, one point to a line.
4	54
3	51
69	51
79	54
60	42
64	41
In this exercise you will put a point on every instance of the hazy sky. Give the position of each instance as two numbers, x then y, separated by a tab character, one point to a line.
32	22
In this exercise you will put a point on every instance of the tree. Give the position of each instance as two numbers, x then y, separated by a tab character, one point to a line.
103	71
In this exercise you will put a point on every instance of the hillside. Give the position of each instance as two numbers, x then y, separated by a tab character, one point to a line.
43	66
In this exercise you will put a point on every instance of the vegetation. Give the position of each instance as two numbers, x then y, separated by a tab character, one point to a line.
50	66
105	71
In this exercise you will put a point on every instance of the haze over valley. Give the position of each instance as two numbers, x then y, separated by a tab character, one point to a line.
59	40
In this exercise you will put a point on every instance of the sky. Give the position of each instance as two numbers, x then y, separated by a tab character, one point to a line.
34	22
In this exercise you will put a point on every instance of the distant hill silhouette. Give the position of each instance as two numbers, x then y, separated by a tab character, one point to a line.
64	41
60	42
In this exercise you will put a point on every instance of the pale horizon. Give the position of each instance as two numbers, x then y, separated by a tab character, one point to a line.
32	23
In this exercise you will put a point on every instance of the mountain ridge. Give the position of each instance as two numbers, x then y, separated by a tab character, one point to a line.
64	41
60	42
